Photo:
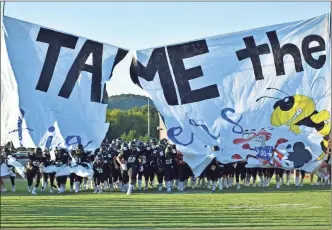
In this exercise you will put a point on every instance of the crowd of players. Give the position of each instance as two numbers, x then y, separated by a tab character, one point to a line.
121	165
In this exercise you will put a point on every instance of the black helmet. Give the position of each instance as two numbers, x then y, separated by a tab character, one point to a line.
38	150
124	146
99	157
79	147
140	145
112	146
6	149
113	141
168	150
46	152
153	141
133	145
119	140
164	141
162	146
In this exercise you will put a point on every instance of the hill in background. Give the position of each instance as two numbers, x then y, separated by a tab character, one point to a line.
127	101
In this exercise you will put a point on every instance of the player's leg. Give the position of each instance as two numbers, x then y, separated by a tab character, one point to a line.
37	176
139	179
287	176
277	171
72	181
125	180
297	177
52	176
44	181
243	174
110	178
146	174
160	176
132	174
254	172
281	176
237	175
302	177
261	176
29	175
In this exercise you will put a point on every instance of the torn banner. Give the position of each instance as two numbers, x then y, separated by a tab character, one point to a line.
53	86
262	95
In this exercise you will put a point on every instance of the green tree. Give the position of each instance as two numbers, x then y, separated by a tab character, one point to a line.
123	121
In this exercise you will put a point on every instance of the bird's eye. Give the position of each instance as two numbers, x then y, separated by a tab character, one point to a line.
245	135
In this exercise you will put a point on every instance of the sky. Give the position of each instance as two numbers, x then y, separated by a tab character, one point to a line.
140	25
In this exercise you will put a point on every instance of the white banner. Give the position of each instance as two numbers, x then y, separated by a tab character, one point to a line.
260	95
53	86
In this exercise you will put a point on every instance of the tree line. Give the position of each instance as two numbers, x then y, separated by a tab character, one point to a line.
132	123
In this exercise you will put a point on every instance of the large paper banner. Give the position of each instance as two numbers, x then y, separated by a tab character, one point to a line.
53	86
260	95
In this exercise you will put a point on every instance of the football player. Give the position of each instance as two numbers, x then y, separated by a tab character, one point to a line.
107	168
240	171
80	158
61	159
169	167
46	161
98	173
143	154
5	154
32	170
181	168
160	171
129	161
149	163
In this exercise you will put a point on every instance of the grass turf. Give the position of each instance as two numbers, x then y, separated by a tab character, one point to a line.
289	207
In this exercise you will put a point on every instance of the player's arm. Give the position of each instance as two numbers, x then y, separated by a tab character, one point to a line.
119	158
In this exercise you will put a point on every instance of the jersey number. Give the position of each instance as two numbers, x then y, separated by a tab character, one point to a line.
78	160
131	159
169	161
99	170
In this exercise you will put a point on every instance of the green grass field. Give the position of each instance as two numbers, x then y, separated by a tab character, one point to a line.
287	208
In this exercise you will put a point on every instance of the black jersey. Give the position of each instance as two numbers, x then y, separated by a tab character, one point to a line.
169	161
81	158
34	161
160	156
130	158
98	166
62	158
46	160
107	157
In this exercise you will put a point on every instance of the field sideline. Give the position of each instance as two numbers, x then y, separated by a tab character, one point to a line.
286	208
